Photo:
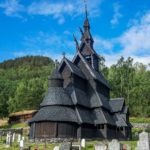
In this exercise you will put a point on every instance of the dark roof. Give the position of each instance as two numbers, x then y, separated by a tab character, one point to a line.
78	96
96	75
103	117
104	101
73	68
125	109
56	96
85	115
120	121
55	113
116	104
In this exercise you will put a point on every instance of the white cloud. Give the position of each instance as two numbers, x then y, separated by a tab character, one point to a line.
117	15
134	42
101	43
136	39
12	8
58	10
55	9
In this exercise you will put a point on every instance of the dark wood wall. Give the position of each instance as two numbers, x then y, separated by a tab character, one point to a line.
53	130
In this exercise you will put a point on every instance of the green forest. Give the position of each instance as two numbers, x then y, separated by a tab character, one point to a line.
23	82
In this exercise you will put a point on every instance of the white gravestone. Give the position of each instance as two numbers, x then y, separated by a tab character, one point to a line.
143	143
13	137
83	143
19	138
100	147
56	148
114	145
21	144
8	139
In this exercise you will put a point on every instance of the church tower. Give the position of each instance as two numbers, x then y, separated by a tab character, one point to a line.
86	46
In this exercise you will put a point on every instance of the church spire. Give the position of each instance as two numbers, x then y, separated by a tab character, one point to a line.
86	22
86	12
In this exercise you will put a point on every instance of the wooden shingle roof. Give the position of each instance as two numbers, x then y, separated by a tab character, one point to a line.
55	113
56	96
116	104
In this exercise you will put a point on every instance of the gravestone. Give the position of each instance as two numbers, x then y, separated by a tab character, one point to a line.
19	138
144	141
114	145
13	137
83	143
65	146
8	139
56	148
21	144
100	147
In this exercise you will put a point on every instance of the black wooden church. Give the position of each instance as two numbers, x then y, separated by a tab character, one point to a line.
77	103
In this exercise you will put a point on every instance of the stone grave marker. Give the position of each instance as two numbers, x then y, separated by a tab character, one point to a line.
13	137
114	145
144	141
21	144
56	148
100	147
8	139
65	146
19	138
83	143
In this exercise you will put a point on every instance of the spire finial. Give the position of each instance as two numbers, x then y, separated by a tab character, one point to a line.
86	13
77	44
64	54
56	63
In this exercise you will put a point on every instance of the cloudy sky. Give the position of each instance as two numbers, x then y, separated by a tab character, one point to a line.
45	27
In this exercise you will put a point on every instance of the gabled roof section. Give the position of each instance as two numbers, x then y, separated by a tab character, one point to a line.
56	113
120	121
104	101
103	117
86	36
73	68
96	75
78	96
56	96
116	104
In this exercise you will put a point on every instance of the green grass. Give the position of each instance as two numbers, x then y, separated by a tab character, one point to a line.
139	120
14	126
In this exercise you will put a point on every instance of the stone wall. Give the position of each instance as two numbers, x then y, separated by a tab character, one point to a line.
141	125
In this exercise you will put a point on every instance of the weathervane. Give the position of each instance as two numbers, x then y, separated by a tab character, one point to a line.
85	3
64	54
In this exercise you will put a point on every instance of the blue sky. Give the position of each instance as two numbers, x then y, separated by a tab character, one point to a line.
45	27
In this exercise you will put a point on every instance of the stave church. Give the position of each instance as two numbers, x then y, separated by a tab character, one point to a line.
77	103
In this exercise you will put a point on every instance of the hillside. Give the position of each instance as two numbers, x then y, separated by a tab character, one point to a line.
23	82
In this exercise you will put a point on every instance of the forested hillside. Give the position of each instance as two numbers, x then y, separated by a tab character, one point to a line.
23	82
